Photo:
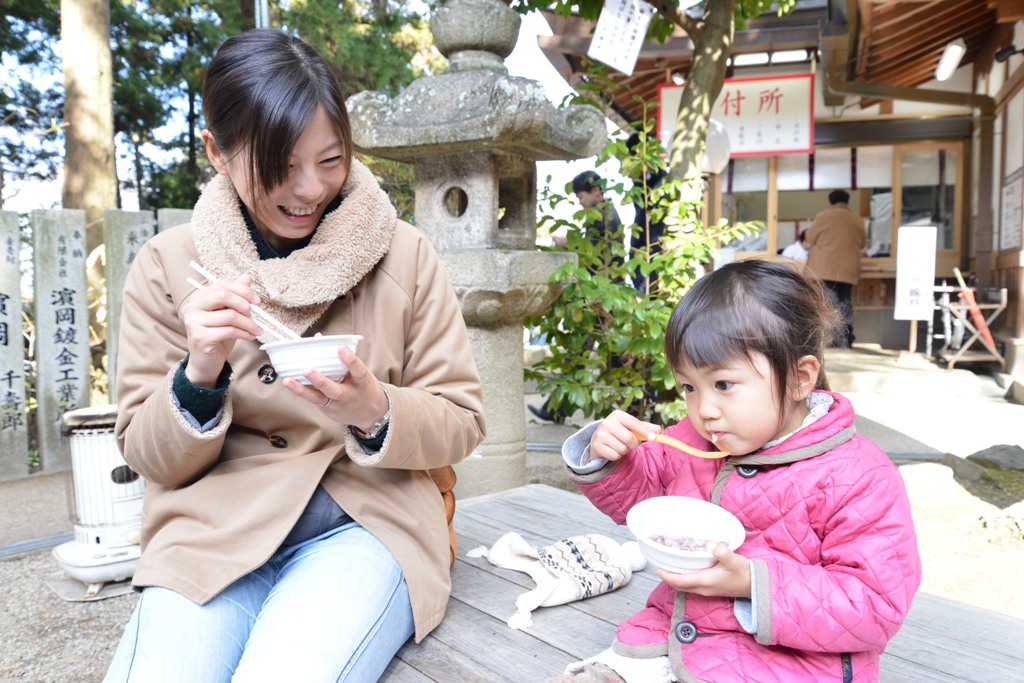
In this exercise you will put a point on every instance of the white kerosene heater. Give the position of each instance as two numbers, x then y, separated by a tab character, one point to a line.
105	496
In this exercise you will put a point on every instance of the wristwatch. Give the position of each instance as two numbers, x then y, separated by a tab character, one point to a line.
376	428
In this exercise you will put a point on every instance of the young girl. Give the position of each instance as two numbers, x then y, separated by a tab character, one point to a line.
829	566
290	532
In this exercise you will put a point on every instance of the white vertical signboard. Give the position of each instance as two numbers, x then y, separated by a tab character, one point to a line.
620	32
1010	226
915	272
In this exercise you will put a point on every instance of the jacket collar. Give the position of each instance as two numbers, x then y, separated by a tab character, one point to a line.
821	435
298	289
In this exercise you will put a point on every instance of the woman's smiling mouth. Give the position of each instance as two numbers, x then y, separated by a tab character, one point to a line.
298	213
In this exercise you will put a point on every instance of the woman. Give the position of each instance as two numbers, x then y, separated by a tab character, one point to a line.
290	531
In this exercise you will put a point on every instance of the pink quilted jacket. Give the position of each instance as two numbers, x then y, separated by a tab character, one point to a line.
830	533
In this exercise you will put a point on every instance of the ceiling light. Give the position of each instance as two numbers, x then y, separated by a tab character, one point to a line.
678	79
1007	52
789	56
753	59
950	59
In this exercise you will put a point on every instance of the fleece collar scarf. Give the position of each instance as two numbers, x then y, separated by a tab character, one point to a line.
298	289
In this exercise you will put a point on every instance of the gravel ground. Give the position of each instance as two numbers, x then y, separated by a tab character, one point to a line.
45	639
967	546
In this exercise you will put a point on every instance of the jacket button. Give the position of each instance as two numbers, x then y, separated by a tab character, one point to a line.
686	632
266	373
748	471
278	441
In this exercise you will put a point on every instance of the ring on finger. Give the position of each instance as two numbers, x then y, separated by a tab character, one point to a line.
326	403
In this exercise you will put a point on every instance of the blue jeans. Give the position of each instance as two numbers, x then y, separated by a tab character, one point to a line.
333	608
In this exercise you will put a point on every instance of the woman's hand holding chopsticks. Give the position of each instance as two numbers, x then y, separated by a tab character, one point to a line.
216	316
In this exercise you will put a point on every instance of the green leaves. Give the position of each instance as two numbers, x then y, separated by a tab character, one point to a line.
606	338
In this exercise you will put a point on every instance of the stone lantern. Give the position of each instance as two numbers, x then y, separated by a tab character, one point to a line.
473	135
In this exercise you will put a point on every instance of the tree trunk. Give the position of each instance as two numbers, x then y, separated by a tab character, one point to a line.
712	42
90	181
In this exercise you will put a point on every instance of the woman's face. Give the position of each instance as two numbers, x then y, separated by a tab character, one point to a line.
316	172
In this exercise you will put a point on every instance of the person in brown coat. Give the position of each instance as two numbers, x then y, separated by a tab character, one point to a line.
290	532
836	239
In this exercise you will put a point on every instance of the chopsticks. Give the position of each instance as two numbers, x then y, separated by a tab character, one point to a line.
268	322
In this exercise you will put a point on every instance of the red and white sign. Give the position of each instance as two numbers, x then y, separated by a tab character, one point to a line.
763	116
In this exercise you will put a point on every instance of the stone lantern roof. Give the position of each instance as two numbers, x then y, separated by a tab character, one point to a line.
474	105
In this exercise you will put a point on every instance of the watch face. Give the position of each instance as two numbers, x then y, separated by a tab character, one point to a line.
380	424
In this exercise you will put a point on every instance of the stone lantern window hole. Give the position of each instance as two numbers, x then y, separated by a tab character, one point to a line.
512	197
455	201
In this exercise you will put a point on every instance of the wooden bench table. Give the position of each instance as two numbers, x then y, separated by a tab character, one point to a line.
942	640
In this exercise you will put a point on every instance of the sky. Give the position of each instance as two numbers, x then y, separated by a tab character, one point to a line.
526	61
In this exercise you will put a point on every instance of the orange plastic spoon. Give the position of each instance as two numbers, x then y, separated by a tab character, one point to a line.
685	448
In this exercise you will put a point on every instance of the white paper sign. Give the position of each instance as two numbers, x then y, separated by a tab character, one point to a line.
1010	221
915	272
620	32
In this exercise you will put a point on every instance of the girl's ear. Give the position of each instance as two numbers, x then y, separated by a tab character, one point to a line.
806	376
214	153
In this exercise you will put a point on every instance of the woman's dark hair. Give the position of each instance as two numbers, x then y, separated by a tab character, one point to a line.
775	307
262	88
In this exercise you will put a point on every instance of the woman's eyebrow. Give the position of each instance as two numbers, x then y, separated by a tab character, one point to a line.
332	146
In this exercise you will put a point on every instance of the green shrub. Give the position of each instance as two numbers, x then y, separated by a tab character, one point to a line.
606	338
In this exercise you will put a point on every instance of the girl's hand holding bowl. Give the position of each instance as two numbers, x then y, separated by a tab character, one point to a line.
691	541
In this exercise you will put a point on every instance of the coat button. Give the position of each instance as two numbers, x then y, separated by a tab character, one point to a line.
266	373
686	632
748	471
278	441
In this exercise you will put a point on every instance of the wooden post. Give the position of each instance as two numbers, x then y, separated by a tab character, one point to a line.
62	327
13	418
124	232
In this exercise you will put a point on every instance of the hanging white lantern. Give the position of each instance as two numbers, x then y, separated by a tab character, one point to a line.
716	149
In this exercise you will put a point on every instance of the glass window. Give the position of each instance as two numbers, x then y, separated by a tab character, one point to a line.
929	191
832	168
745	198
874	166
794	172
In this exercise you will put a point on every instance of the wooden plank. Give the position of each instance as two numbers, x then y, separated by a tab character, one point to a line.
400	672
511	655
982	628
942	640
434	660
897	670
568	629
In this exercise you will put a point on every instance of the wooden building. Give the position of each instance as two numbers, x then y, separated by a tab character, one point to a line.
910	150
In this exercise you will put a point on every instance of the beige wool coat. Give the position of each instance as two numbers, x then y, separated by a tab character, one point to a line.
220	502
836	237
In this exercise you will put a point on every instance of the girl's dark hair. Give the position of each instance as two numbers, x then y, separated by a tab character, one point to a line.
262	88
773	307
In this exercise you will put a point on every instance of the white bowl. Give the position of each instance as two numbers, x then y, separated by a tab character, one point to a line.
680	517
294	357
